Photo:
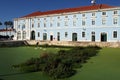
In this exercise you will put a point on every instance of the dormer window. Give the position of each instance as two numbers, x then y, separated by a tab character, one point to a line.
83	15
44	18
103	13
93	14
115	12
74	16
66	16
58	17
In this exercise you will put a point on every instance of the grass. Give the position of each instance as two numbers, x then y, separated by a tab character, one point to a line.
11	56
105	66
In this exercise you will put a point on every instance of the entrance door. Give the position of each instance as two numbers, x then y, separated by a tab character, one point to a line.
51	37
103	37
33	35
74	37
93	38
44	36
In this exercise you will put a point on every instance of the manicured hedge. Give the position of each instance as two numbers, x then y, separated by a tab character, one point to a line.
60	65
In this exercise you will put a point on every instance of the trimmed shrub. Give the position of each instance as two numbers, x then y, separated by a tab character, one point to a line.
60	65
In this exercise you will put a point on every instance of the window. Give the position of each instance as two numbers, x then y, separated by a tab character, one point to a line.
38	25
32	20
66	22
74	16
32	25
83	22
74	22
66	16
93	22
83	34
66	34
18	26
93	14
19	35
104	13
103	21
44	36
58	36
51	24
24	35
38	34
93	36
58	17
44	24
58	24
93	33
23	26
44	18
114	34
115	12
115	20
83	15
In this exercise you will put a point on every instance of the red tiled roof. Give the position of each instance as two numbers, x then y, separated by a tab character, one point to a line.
33	14
83	8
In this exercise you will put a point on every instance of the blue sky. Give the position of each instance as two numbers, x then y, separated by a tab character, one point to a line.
10	9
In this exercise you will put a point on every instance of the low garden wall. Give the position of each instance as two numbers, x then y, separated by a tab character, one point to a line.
71	43
58	43
11	43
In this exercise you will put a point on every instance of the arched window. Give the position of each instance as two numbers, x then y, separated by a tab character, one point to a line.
19	35
24	35
33	35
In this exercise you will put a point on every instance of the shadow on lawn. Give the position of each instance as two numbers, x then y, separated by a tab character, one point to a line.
13	74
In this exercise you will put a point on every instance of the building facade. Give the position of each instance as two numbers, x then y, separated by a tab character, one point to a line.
97	23
8	32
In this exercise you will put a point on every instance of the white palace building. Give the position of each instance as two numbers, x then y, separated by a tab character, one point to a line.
96	22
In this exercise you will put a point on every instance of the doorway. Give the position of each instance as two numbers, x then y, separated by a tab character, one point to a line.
74	37
51	37
103	37
32	35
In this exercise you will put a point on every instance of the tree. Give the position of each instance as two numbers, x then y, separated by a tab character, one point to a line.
8	23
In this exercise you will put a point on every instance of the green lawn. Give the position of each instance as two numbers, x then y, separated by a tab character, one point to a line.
105	66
